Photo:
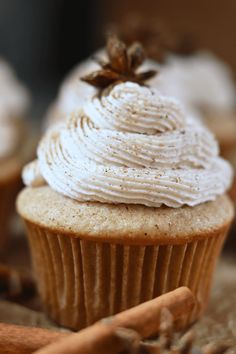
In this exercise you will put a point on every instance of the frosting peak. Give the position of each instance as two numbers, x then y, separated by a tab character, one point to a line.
133	108
135	146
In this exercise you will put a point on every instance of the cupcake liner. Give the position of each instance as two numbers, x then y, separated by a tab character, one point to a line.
8	193
83	281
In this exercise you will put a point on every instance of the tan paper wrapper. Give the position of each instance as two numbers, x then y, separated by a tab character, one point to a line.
83	281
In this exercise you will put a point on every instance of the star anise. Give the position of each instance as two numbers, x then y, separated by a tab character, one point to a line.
170	342
121	66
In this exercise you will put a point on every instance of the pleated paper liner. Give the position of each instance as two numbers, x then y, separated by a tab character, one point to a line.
8	193
83	281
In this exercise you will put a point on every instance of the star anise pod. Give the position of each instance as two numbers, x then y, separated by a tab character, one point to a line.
169	342
121	66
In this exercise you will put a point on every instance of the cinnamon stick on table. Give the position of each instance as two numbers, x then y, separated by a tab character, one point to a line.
25	340
104	337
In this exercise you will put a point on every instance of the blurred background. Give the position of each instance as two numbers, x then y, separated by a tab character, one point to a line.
44	39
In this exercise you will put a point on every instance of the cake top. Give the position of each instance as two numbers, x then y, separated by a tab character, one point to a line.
130	144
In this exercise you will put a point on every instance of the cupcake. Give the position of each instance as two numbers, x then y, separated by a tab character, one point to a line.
126	200
14	101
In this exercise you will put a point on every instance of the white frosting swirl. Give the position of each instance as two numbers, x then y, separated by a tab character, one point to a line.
132	146
137	109
199	81
74	92
14	100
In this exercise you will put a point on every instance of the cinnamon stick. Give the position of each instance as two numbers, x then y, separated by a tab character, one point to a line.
216	348
25	340
144	319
